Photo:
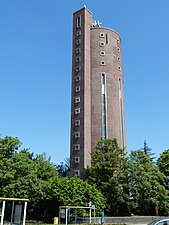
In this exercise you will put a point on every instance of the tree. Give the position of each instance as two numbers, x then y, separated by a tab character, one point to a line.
64	168
163	165
148	151
24	176
109	172
75	192
8	146
147	185
163	162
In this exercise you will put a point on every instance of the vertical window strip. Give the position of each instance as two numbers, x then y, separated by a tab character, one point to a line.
121	114
104	124
78	22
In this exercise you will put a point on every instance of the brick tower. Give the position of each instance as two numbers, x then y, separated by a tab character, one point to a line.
97	106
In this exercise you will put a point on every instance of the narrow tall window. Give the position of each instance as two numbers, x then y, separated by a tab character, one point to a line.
121	114
104	123
78	22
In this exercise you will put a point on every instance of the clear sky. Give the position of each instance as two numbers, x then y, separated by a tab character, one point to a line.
35	70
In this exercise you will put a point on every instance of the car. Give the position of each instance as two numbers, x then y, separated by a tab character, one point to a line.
160	222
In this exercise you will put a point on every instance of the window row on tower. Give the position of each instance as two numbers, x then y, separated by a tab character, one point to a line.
77	98
103	53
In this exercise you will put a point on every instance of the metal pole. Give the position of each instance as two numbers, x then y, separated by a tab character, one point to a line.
75	215
66	216
12	211
59	215
94	214
3	212
24	214
90	215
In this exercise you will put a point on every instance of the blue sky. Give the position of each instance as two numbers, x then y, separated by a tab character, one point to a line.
35	70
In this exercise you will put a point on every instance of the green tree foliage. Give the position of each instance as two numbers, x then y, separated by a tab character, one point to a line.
64	168
23	175
148	151
75	192
109	173
147	185
124	185
8	146
163	162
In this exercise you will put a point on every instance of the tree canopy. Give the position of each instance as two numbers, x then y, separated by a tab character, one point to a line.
116	183
24	175
147	185
163	162
108	172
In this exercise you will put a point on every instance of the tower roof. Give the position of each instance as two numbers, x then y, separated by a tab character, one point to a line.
83	9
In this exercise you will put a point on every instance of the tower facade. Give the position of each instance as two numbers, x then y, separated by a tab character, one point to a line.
97	106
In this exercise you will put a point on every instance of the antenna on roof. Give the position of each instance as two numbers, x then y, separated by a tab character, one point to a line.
96	23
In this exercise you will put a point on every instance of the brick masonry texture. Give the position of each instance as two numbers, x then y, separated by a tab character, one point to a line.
92	65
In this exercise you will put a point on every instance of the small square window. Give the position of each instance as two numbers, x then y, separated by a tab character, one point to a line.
78	78
78	22
78	68
77	122
77	159
78	41
77	89
78	33
102	63
118	58
77	147
102	53
77	111
78	59
76	173
102	35
118	41
119	68
77	135
102	44
118	49
78	50
77	99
